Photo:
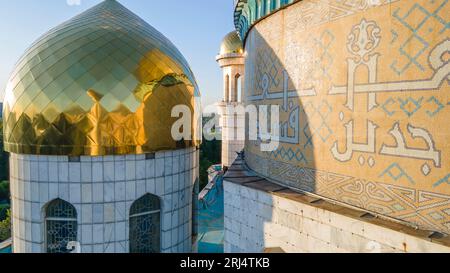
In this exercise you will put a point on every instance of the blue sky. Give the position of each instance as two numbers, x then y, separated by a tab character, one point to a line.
196	27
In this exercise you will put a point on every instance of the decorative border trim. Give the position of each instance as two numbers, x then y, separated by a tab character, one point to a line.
249	12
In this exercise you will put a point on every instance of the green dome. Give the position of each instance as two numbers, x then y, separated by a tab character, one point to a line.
231	44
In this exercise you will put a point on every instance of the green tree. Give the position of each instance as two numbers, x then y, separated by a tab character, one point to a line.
4	168
5	227
3	211
210	154
4	192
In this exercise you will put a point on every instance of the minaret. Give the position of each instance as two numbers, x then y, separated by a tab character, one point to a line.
231	60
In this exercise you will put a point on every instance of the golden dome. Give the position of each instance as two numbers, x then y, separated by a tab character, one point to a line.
231	44
102	83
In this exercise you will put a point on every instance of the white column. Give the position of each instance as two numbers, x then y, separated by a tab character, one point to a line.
242	88
233	85
226	87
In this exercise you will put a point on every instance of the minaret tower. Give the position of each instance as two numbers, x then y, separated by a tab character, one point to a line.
231	60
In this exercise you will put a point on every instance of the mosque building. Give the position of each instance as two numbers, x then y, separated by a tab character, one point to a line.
93	165
362	162
363	159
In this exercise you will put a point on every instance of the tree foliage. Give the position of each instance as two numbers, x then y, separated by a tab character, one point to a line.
3	211
4	191
4	168
210	154
5	227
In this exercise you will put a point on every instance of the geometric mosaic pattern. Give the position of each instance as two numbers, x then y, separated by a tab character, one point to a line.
61	226
317	125
367	136
289	154
145	219
59	234
267	70
248	12
416	21
445	180
395	172
415	106
426	209
326	58
410	106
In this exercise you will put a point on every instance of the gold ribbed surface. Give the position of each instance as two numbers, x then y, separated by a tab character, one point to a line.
231	44
103	83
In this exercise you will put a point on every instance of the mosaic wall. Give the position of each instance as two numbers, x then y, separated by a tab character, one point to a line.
364	93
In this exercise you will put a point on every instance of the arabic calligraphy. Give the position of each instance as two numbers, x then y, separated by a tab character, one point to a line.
285	94
401	149
352	147
293	121
441	68
363	39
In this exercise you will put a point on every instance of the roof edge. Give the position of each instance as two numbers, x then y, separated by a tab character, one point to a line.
247	13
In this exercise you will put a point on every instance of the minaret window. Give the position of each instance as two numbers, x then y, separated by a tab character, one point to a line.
61	226
145	225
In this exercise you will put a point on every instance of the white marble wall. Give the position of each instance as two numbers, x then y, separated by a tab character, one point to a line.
256	220
233	133
102	189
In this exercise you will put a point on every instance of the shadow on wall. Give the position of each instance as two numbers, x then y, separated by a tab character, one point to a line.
254	219
357	124
270	82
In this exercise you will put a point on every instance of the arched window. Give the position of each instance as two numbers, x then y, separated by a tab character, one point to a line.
61	226
145	225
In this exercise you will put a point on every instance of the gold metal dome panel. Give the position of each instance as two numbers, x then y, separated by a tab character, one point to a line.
231	44
103	83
